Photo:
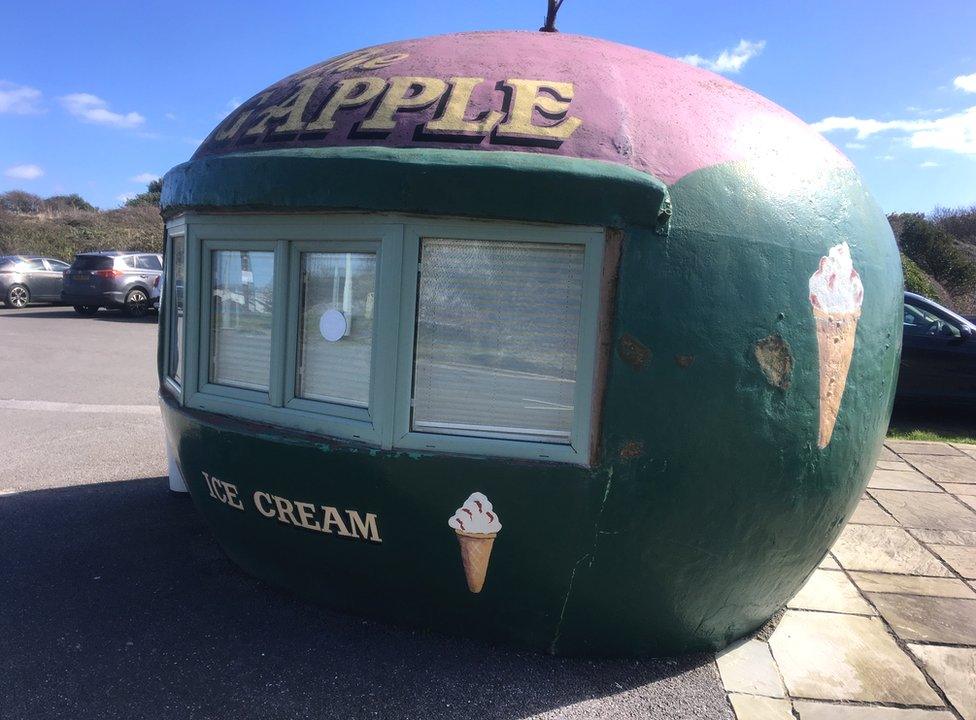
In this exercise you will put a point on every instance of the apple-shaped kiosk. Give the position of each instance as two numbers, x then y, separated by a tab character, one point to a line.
529	337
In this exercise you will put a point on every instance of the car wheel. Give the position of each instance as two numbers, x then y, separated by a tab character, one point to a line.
86	309
136	303
18	296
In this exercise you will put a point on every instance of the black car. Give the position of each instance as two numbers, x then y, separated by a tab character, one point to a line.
938	357
24	280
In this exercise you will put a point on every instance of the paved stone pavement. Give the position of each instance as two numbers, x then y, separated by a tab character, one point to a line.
885	628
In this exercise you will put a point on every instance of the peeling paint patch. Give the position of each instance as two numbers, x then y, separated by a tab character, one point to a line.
684	361
775	360
631	449
633	352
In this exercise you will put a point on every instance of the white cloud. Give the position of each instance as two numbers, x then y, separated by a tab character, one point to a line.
125	197
886	158
24	172
170	116
928	164
954	133
93	109
966	83
144	178
728	61
855	146
19	99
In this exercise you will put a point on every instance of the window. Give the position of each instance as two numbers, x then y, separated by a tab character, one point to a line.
57	265
919	321
32	265
149	262
336	333
177	291
497	339
460	336
241	303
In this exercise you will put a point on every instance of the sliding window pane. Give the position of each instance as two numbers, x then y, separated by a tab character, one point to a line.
497	337
336	333
241	305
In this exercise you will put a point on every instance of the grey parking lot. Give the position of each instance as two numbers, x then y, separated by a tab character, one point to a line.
115	601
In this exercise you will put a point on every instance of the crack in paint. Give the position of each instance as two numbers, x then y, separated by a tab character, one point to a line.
591	555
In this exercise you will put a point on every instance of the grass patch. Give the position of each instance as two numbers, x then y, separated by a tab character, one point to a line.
933	424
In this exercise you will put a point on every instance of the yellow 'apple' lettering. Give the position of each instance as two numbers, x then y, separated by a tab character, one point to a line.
552	99
452	120
404	93
351	93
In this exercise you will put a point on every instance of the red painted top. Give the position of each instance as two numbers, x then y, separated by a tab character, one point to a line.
547	93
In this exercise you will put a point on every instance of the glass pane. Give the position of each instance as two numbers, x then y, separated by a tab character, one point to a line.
241	303
336	333
497	338
177	293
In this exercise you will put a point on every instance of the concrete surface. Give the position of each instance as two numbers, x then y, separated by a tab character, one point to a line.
889	631
115	602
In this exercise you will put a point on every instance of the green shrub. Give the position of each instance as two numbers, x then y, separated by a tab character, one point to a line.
916	281
934	250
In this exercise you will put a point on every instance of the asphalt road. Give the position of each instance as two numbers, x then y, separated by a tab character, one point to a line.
115	602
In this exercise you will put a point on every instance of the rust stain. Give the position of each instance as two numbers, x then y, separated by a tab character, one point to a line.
684	360
631	449
633	352
775	360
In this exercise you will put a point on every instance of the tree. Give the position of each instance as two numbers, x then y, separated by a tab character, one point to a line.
19	201
60	203
152	196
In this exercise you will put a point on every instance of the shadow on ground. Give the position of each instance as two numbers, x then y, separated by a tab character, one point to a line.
116	603
58	312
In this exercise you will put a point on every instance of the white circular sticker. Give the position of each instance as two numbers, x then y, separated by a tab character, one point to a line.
332	325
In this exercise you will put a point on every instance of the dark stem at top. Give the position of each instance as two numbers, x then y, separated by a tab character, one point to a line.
550	25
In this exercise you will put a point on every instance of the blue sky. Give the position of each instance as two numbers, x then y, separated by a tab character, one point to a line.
96	98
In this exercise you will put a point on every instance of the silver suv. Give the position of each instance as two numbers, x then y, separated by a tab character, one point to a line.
125	280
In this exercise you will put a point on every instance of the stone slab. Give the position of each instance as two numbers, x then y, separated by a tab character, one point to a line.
954	670
960	558
827	711
966	448
887	455
930	511
885	549
946	537
870	582
970	500
893	465
954	469
828	563
959	488
748	667
950	621
754	707
825	656
830	591
868	512
921	447
902	480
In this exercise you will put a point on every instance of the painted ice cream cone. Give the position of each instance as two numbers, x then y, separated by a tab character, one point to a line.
475	554
476	526
836	294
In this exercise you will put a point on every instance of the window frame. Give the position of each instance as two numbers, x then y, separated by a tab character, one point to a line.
578	449
396	239
175	229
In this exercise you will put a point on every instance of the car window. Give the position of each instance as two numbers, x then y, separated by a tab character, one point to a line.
150	262
57	265
919	321
92	262
32	265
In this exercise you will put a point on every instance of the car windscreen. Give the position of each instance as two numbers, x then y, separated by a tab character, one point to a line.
92	262
7	263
